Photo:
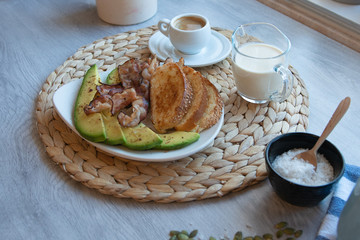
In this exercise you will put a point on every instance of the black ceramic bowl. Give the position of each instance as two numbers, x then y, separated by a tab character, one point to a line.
294	193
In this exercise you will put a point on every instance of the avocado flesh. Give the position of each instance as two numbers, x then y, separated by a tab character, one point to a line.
103	127
113	77
89	126
141	138
176	140
114	132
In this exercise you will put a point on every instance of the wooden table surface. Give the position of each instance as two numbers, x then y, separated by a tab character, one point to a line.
40	201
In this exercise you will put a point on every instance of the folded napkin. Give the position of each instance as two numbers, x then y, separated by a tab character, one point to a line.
341	194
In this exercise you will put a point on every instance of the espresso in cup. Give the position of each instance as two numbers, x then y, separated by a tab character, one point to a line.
189	23
189	33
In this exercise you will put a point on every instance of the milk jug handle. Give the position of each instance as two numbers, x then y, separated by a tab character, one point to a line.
287	78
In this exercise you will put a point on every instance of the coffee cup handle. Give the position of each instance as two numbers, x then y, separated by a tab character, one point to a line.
164	26
288	82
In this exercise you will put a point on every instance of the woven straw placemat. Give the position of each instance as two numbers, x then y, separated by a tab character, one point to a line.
232	162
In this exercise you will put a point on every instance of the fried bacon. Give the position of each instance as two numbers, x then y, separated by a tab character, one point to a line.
130	72
140	108
104	89
122	100
149	71
133	91
99	104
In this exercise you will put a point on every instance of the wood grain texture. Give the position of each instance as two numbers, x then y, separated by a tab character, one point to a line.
40	201
320	22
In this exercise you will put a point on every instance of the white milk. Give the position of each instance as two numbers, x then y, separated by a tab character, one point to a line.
255	77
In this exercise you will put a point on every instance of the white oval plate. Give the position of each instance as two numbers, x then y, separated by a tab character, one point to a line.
64	101
218	49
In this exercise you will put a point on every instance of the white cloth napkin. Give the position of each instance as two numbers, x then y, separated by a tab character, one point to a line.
341	194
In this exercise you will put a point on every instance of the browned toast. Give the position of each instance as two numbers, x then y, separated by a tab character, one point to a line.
214	107
199	103
170	96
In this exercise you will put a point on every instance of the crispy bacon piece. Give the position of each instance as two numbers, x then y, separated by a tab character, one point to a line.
99	104
140	108
130	72
149	71
104	89
116	102
122	100
133	90
144	89
168	60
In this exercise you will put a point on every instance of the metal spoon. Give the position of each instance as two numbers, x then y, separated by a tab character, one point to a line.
310	155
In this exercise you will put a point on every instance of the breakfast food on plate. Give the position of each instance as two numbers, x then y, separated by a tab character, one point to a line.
180	100
133	89
89	126
203	107
177	139
170	95
190	121
214	107
141	137
114	132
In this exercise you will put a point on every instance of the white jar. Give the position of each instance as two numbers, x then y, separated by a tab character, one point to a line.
126	12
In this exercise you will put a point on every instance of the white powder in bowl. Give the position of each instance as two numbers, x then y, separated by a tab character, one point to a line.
300	171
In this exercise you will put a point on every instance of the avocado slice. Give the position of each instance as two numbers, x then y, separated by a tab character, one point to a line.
141	137
176	140
113	77
89	126
114	132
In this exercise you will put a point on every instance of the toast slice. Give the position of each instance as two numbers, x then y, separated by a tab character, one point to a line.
170	96
213	109
191	119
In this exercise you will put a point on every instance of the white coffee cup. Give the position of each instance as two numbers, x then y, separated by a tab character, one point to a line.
259	63
189	33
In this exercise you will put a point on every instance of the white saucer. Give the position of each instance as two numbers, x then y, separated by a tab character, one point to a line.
218	49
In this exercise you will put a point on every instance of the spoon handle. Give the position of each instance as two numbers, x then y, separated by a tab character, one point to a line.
336	117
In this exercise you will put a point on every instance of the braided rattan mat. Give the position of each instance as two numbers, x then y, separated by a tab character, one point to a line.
233	161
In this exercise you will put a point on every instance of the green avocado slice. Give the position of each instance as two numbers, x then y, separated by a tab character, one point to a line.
113	77
114	132
141	137
89	126
176	140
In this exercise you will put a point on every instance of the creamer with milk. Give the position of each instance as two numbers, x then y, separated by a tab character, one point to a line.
254	72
